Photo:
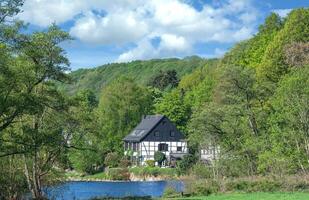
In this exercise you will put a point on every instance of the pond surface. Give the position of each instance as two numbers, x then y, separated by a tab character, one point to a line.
86	190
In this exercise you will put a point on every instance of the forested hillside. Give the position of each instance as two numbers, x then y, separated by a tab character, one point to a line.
140	71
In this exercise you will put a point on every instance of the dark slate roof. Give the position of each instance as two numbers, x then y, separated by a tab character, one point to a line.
148	123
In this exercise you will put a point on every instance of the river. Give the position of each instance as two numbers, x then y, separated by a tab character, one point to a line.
80	190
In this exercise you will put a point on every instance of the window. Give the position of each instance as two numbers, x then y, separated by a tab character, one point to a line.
163	147
172	133
179	148
157	134
126	146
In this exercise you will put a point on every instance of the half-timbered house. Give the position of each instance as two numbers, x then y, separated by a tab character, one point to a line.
155	133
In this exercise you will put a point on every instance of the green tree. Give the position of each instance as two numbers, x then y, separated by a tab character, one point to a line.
121	107
159	157
296	29
288	126
175	108
9	8
165	79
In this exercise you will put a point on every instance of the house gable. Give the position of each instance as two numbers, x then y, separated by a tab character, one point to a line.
165	130
154	128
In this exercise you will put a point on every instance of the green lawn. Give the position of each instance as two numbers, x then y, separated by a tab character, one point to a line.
256	196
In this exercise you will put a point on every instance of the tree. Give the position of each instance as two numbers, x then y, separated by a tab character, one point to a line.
31	103
186	163
297	54
175	108
295	29
88	157
9	8
39	59
165	79
121	107
288	126
159	157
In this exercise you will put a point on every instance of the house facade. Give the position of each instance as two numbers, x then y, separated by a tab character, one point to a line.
155	133
209	154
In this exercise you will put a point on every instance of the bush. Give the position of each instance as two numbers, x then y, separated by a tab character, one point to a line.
118	174
150	163
170	192
112	159
201	170
125	162
254	186
202	187
186	163
153	171
159	157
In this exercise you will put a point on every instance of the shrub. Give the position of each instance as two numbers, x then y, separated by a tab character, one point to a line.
202	187
254	186
118	174
186	163
159	157
171	192
112	159
201	170
150	163
153	171
125	162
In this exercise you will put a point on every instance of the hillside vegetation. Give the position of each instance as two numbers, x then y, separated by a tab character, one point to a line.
140	71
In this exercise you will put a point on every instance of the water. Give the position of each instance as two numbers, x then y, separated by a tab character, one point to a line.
86	190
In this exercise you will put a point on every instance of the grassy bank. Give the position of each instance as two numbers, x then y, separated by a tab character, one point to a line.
135	173
255	196
143	172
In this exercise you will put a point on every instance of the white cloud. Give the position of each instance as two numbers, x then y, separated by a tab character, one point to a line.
116	28
43	13
176	22
282	12
175	43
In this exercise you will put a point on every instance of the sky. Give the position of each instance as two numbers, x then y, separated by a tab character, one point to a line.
107	31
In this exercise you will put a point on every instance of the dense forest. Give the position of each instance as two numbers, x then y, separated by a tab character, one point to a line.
253	103
142	72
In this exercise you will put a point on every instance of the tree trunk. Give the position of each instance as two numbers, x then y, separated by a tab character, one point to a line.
28	177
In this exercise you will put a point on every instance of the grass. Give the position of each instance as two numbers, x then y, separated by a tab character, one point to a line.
80	176
255	196
154	171
99	176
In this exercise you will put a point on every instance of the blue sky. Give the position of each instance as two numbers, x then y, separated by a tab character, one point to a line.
108	31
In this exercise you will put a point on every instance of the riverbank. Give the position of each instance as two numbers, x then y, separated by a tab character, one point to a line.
253	196
234	196
130	174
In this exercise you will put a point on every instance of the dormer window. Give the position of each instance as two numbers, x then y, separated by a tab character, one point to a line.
172	133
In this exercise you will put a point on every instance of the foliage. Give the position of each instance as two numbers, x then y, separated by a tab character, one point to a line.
153	171
165	79
125	162
175	108
159	157
150	163
141	72
297	54
112	159
121	107
186	163
171	192
118	174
